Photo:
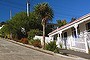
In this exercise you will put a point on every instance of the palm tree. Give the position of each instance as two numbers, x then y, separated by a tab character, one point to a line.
45	13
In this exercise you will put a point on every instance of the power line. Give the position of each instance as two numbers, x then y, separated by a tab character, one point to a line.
13	3
60	11
71	9
63	16
6	5
10	5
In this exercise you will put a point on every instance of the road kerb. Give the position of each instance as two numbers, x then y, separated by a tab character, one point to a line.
45	51
32	47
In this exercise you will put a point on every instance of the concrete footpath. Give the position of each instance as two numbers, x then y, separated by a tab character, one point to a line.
76	53
78	56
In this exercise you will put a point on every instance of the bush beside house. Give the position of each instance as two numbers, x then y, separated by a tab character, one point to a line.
31	35
52	47
34	32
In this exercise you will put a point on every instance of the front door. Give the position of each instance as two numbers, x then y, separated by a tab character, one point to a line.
65	35
65	39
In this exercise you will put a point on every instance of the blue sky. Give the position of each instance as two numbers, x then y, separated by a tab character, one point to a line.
63	9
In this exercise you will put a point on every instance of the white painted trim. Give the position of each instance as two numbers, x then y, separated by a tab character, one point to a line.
78	20
75	24
70	26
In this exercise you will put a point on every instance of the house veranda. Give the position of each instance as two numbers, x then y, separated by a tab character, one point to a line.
75	35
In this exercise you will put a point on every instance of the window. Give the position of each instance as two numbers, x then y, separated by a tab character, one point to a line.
74	31
55	37
65	35
88	27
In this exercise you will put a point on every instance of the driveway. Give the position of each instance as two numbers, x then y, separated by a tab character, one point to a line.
11	51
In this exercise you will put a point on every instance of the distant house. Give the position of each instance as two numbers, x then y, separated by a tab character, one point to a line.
75	35
1	26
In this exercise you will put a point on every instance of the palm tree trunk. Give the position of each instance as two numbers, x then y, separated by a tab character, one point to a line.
43	35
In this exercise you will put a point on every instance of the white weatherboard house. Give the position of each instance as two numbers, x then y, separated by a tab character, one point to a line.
75	35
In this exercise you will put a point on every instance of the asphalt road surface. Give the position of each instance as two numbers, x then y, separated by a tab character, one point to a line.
12	51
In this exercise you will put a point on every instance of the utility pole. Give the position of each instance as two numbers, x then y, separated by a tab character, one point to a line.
10	29
28	7
10	14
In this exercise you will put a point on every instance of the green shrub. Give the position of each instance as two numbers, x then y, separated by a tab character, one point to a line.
61	46
34	32
56	50
35	43
31	41
51	46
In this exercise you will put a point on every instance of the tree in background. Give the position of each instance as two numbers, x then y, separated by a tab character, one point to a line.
19	21
37	19
2	23
61	23
50	27
72	19
45	13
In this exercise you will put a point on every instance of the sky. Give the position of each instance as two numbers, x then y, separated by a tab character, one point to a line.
63	9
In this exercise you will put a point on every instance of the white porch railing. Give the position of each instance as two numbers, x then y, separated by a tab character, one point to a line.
65	43
81	43
88	39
